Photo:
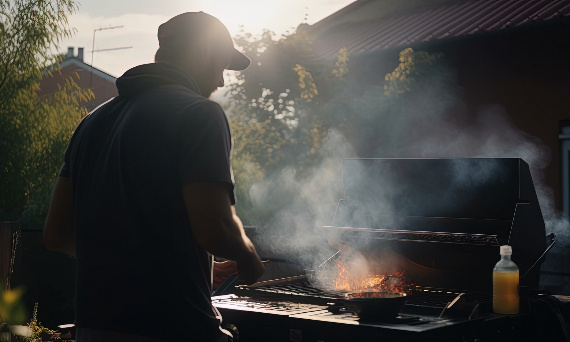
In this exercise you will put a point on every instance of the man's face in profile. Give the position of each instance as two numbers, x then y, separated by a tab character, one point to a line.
214	73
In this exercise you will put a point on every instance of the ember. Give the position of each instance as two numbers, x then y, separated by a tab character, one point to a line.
351	281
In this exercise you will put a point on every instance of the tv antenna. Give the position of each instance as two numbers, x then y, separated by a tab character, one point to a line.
93	49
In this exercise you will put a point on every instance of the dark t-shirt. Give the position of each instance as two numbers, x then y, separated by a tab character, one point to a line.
140	269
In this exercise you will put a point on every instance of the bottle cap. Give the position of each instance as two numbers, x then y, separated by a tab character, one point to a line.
506	250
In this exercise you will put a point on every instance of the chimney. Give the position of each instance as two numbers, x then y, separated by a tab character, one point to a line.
69	52
80	54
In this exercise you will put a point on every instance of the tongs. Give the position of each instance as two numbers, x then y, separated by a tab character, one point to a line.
231	282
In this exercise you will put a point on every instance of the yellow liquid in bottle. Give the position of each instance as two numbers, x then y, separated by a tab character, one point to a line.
506	293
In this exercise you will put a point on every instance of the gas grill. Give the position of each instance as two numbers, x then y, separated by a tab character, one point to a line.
439	222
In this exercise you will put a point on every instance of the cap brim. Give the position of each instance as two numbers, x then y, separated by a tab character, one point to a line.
239	61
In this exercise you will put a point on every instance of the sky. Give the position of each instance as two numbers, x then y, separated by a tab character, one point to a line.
135	40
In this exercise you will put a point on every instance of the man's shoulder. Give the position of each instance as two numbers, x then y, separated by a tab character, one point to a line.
186	97
198	105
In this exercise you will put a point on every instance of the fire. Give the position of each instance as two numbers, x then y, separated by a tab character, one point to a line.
349	281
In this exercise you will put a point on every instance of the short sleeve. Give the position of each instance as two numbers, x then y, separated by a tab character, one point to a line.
64	171
205	146
65	168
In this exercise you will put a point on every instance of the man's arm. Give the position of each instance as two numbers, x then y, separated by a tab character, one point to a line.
218	229
59	229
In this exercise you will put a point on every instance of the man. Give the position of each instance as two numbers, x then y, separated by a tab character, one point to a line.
145	195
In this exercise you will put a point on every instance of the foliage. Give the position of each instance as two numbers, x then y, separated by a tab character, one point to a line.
28	30
54	120
37	331
33	131
306	83
288	106
247	171
413	66
12	309
273	119
341	65
260	140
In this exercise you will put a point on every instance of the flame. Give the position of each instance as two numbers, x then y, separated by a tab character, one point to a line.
352	282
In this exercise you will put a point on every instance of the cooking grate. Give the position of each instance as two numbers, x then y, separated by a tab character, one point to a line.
298	291
266	306
284	308
301	291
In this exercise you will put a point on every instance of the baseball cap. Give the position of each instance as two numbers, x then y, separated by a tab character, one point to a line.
194	25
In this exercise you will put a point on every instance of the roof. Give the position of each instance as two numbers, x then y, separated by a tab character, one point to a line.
84	66
440	22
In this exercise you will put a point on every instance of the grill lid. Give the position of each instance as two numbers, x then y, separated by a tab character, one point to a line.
478	202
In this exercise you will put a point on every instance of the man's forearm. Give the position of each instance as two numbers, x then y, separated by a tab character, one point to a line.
218	229
229	241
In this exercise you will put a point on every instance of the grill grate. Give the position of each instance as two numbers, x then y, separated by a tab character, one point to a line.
269	306
299	291
303	292
300	288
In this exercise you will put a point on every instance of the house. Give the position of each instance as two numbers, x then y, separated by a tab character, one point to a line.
101	83
510	54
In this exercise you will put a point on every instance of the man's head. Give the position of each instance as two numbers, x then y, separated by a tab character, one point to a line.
201	45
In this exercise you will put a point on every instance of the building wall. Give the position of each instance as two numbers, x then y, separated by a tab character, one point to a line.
524	71
527	72
102	88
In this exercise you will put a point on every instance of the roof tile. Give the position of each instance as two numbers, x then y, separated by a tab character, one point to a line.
455	20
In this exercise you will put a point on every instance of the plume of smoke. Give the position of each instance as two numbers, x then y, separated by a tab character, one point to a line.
296	229
433	123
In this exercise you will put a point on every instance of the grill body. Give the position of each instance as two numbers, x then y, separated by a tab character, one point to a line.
439	220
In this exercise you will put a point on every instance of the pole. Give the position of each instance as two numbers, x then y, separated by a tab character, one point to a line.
93	49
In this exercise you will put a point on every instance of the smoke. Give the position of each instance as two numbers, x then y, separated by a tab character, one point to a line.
492	134
433	122
430	122
295	231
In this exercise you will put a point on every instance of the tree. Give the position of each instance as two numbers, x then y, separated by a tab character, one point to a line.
293	111
414	70
273	107
33	131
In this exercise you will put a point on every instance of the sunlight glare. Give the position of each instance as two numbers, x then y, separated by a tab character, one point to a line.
255	15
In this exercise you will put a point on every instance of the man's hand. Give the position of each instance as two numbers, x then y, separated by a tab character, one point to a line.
222	270
251	267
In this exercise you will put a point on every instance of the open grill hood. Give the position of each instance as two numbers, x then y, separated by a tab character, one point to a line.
442	220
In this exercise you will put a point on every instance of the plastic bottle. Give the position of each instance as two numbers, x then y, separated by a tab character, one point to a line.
505	284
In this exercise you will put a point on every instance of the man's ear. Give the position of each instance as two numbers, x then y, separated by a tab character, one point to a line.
195	58
217	54
200	53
